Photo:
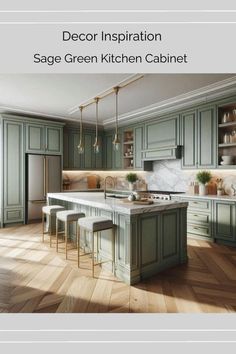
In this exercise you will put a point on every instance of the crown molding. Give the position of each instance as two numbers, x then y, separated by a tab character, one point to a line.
203	95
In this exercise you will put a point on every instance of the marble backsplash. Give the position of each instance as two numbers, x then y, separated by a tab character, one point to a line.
166	175
76	180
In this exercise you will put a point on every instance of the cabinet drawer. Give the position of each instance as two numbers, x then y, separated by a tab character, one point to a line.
199	204
198	218
199	230
13	215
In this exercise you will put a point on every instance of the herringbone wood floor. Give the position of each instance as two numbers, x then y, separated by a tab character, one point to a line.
34	278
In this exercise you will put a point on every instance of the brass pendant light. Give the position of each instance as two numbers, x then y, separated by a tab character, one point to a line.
116	141
81	144
96	145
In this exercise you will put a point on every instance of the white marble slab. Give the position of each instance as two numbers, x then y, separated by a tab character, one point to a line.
97	200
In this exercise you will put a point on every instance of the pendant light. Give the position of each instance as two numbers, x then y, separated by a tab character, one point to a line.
116	141
96	145
81	145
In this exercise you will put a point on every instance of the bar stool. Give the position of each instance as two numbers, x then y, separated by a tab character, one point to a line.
51	211
67	217
95	224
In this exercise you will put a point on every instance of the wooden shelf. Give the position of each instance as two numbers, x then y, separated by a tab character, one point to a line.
227	145
225	167
128	142
226	125
129	157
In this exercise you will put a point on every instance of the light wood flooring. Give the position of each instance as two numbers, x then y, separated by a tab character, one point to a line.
34	278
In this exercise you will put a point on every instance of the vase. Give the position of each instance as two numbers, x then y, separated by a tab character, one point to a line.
131	186
202	189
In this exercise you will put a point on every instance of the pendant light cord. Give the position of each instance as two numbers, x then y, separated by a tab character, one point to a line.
96	100
116	92
81	124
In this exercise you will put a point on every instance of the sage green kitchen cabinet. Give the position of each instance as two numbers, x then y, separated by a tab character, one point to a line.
207	142
13	172
43	139
162	132
189	139
89	160
199	138
224	221
112	157
138	147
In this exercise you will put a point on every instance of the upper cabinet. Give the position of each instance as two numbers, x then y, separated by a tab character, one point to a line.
44	139
89	160
162	139
198	138
112	157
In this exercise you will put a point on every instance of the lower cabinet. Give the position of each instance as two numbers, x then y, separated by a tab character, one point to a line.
224	221
210	219
13	172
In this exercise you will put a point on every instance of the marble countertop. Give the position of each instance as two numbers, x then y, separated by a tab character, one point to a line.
209	196
95	199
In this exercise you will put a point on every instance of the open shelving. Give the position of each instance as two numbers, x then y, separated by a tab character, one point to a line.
227	134
128	149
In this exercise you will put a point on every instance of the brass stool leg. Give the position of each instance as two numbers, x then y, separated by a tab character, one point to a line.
43	226
113	249
66	236
56	234
97	245
93	254
50	229
78	242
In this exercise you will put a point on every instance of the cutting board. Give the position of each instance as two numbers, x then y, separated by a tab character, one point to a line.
138	202
92	182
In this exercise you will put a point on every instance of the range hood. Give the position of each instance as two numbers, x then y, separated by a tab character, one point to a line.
169	152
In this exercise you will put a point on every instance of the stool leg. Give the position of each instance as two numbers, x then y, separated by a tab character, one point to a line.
66	236
50	230
56	234
43	226
113	249
97	245
93	254
78	242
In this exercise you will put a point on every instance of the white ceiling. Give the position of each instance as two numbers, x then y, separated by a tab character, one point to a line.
53	95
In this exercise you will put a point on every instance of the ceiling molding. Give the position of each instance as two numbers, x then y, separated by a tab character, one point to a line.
202	95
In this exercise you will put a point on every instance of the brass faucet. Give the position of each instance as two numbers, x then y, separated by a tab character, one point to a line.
105	184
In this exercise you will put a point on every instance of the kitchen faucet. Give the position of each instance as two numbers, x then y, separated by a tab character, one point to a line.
105	184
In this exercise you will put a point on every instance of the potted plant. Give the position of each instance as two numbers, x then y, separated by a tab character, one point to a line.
203	177
131	178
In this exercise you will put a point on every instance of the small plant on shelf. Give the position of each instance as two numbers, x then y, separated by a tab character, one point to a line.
203	177
131	178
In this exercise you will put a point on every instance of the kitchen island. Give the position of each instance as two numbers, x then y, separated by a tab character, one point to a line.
149	238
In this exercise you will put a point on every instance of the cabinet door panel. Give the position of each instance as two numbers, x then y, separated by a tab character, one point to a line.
53	140
170	243
109	152
35	141
162	133
225	220
138	147
13	170
188	123
149	240
207	137
88	151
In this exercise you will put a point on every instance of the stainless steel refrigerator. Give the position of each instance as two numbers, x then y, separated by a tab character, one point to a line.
44	176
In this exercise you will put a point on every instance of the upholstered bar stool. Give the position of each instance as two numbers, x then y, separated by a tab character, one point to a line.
93	225
50	211
67	217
